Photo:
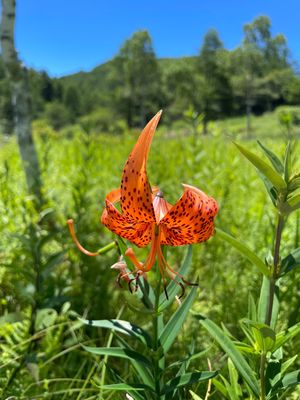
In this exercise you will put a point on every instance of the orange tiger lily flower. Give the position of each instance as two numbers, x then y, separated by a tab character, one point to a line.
146	216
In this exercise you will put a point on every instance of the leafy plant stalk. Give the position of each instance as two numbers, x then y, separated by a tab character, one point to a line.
272	283
156	334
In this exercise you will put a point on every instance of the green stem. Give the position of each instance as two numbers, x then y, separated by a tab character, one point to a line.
108	344
272	286
107	248
156	335
279	230
263	359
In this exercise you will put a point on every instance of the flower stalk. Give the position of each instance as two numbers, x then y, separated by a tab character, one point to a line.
271	294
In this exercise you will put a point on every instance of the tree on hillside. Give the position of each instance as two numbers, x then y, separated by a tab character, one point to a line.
19	86
72	102
261	64
273	49
214	88
178	87
46	87
136	77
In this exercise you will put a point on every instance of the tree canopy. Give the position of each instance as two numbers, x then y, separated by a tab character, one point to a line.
255	77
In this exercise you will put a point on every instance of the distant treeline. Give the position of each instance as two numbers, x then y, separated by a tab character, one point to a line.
255	77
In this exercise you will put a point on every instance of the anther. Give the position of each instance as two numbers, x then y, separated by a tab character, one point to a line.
166	292
189	283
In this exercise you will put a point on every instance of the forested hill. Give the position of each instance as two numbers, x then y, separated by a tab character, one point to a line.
255	77
98	79
94	80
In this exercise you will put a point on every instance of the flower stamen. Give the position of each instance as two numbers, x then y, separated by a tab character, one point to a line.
75	240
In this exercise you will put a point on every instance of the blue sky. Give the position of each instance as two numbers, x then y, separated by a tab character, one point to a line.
65	36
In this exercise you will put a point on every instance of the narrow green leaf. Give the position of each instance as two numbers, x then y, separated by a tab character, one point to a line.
277	164
291	261
135	390
252	311
245	348
263	302
52	262
274	177
237	358
273	373
234	377
264	336
221	388
189	358
290	379
243	249
188	379
118	352
286	335
174	288
294	183
288	363
124	387
195	396
287	162
144	372
294	200
174	324
121	326
270	188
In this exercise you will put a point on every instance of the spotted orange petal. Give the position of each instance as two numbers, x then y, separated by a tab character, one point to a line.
190	220
139	233
136	195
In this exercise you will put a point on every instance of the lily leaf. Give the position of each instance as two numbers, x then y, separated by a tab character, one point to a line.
237	358
134	389
274	177
277	164
294	199
195	396
287	162
286	335
290	379
141	368
291	261
170	331
294	183
188	379
270	188
264	336
121	326
124	387
118	352
243	249
263	302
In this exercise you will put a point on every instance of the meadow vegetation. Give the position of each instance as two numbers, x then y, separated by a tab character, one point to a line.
46	283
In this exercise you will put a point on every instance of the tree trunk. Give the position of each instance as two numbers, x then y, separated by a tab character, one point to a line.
248	118
18	77
249	102
205	125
